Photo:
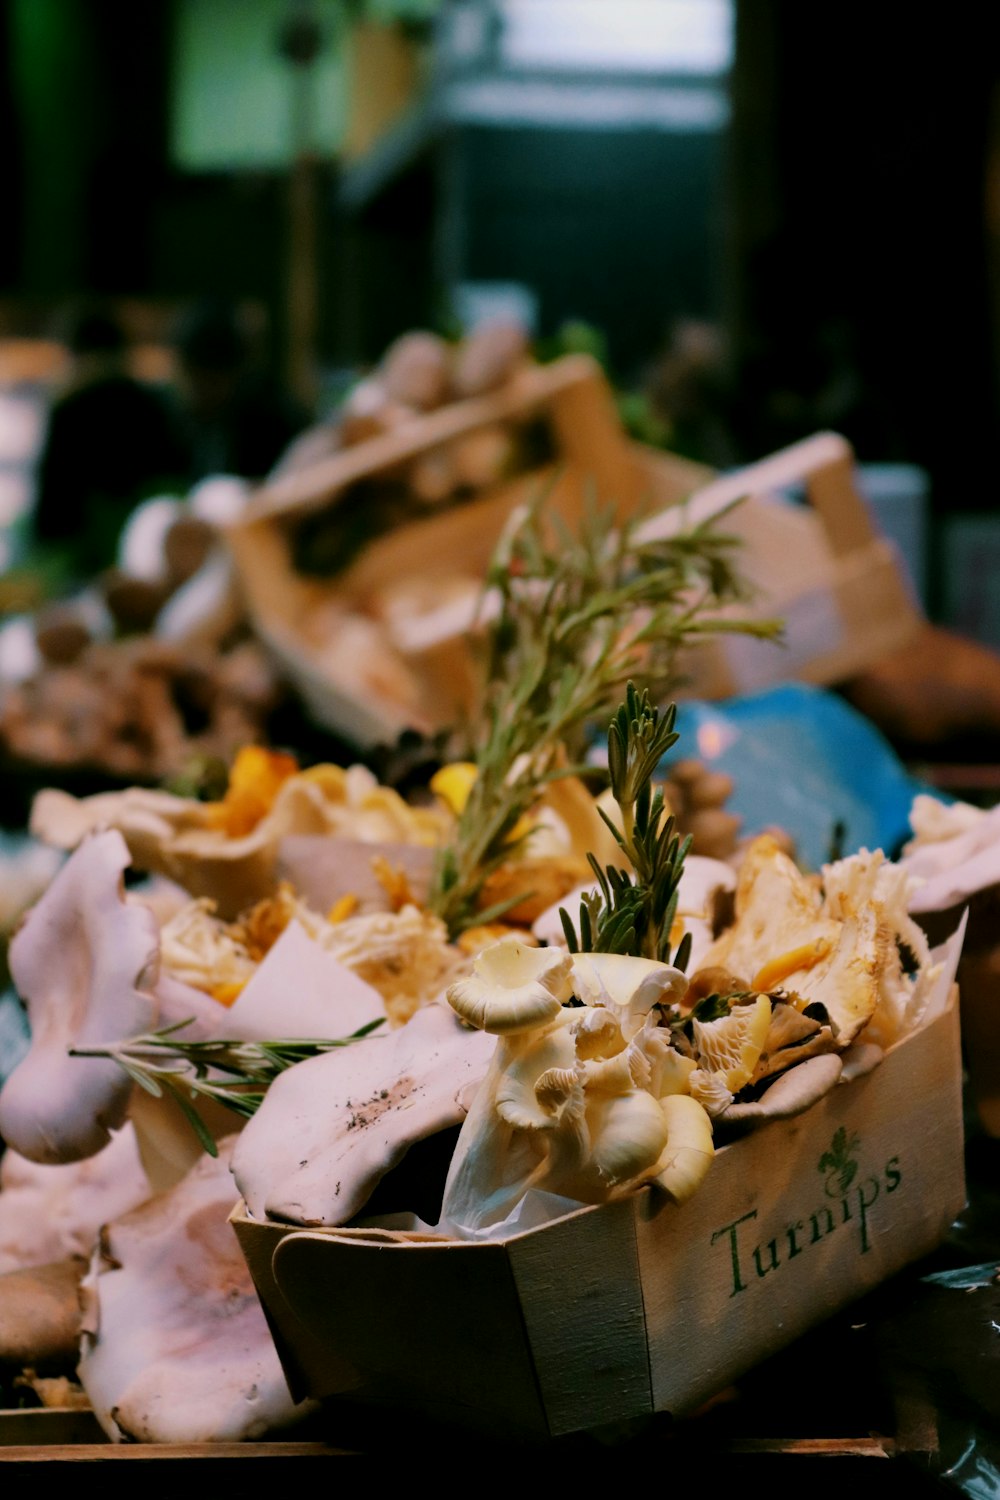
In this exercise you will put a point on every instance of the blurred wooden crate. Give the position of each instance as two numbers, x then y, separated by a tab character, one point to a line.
592	457
820	565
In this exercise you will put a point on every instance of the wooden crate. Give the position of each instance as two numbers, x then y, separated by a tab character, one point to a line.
593	457
820	565
639	1306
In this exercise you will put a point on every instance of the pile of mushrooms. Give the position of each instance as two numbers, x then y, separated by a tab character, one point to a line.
420	372
585	1102
175	1348
571	1078
605	1077
125	709
228	851
199	1362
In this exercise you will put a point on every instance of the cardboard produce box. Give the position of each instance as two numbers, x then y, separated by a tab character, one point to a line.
820	565
641	1305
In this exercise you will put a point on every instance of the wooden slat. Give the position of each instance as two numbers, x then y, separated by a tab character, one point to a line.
91	1453
825	1447
587	1327
573	389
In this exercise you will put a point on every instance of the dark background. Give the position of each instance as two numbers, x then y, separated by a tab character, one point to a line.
843	232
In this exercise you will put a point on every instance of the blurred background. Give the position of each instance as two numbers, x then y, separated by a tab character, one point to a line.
765	218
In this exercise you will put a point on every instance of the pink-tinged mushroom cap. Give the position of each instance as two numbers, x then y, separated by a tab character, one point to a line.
175	1346
85	963
330	1128
47	1213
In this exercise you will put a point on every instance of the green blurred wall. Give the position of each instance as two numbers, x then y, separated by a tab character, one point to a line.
54	76
231	97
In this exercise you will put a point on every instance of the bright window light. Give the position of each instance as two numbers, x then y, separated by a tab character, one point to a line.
635	36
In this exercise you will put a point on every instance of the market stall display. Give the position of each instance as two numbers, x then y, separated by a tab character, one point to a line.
609	1072
377	641
360	1108
621	1038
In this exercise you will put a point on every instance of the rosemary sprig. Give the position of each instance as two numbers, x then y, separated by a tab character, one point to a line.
577	616
163	1063
635	913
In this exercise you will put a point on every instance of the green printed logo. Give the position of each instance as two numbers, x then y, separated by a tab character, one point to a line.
838	1164
751	1259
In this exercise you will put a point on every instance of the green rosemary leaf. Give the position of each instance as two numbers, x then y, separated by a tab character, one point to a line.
710	1008
614	829
192	1116
142	1079
635	913
586	928
162	1062
500	908
577	617
568	930
682	957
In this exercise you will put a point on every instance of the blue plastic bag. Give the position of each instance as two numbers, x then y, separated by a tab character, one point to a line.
802	758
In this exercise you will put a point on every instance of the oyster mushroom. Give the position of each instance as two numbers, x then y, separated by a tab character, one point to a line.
50	1212
84	961
777	911
172	836
572	1102
837	946
792	1092
212	849
175	1346
860	1058
689	1149
628	987
512	987
791	1037
330	1128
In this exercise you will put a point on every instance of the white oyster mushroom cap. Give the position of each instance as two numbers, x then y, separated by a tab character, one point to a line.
512	987
689	1150
175	1347
793	1092
627	986
85	962
330	1128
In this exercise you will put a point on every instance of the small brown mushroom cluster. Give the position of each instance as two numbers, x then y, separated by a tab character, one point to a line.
135	602
421	372
697	796
139	710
